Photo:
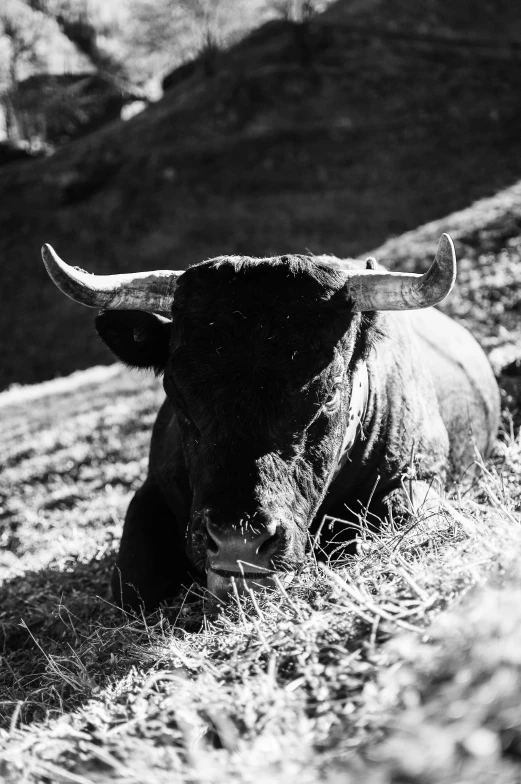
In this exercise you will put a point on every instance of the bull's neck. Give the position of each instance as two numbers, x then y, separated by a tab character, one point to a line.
356	414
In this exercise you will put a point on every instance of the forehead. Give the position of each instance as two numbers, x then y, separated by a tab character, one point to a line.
242	320
288	293
298	280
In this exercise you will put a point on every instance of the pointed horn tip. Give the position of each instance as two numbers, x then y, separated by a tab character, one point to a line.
446	247
445	260
49	255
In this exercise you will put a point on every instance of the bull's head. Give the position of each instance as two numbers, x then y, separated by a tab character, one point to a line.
258	357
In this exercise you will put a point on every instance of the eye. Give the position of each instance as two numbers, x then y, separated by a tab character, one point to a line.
331	405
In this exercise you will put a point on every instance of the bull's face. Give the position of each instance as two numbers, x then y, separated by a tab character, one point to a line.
258	362
259	372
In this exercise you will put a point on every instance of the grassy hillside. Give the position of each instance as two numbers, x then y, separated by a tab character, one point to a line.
317	136
400	664
487	295
497	21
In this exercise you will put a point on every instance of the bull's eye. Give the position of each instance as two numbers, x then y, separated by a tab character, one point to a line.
331	405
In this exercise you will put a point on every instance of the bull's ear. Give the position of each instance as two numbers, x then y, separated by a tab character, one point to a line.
138	339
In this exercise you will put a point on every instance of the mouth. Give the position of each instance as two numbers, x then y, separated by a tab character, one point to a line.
242	575
223	584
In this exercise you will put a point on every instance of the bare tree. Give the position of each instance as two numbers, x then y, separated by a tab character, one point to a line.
159	35
79	22
166	33
21	30
298	10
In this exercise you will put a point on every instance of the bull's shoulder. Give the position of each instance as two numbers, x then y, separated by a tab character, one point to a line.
428	347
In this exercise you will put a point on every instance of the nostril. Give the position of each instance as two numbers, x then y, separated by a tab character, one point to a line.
247	543
213	544
213	547
268	543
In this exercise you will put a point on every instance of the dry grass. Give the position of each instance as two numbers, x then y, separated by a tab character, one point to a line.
336	677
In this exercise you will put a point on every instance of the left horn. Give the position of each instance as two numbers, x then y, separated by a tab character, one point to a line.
149	291
370	290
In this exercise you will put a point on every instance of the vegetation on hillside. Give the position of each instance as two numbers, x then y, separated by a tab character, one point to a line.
128	45
308	136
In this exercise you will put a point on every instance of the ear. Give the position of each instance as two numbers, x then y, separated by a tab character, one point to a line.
138	339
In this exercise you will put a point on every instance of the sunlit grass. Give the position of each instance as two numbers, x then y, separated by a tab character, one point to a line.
297	683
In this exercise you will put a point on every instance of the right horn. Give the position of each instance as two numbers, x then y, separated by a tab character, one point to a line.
149	291
370	290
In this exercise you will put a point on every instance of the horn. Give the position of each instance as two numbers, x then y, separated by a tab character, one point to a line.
370	290
149	291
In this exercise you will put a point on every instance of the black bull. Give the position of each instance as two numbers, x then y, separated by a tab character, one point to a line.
283	404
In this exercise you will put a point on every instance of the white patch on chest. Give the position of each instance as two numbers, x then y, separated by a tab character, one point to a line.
357	410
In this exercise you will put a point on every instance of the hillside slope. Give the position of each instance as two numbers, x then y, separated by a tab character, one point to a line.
497	21
314	136
343	679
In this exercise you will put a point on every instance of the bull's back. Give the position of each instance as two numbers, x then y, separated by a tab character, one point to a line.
465	386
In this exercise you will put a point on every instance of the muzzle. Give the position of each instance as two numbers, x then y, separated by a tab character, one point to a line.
239	558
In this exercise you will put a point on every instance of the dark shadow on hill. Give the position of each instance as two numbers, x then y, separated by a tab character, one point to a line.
48	616
323	137
63	640
510	388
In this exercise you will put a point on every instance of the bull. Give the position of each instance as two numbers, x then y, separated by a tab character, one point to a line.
296	387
